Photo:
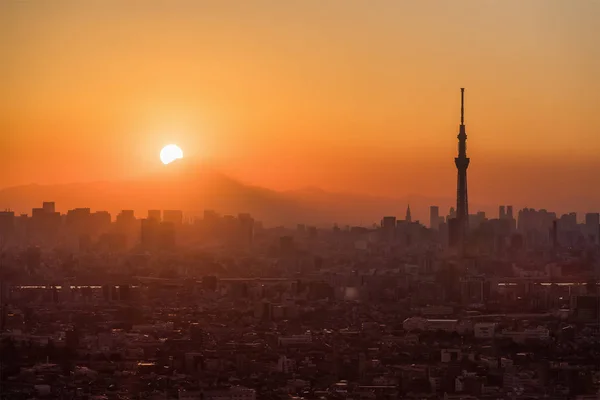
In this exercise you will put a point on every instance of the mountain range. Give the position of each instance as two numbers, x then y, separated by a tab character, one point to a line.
194	187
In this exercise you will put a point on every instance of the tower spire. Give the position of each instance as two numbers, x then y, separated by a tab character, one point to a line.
462	106
408	216
462	163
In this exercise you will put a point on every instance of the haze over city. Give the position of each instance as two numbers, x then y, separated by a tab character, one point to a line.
300	200
342	96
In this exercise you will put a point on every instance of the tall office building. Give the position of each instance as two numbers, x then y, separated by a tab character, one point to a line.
592	227
100	222
173	216
49	207
509	212
126	230
7	225
126	217
408	215
462	163
434	217
155	215
501	212
388	227
45	224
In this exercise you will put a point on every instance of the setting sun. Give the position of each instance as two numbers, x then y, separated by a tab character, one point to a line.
170	153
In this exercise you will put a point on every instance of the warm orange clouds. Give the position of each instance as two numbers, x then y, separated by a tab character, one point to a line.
340	94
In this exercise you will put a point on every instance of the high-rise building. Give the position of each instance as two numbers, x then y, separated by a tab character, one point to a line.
100	222
155	215
173	216
7	224
434	217
44	224
592	226
49	207
462	163
501	212
127	228
388	227
78	220
408	215
509	212
126	216
554	234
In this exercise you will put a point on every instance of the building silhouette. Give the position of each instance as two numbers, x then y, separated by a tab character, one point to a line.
434	217
388	228
7	225
49	207
460	226
592	227
173	216
155	215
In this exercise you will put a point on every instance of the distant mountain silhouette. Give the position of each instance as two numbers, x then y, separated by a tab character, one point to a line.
186	186
194	187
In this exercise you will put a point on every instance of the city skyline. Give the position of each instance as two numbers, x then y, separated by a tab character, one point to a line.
268	200
188	172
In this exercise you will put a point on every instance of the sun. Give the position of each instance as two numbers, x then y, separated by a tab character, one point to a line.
170	153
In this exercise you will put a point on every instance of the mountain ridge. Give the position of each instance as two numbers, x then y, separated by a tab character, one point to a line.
193	187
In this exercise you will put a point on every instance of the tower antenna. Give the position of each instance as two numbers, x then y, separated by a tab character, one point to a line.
462	106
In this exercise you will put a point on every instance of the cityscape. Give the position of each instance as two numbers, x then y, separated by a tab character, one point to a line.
222	307
258	200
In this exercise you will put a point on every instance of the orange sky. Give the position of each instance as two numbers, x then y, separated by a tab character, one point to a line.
345	95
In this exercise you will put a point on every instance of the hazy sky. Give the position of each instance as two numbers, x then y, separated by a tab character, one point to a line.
346	95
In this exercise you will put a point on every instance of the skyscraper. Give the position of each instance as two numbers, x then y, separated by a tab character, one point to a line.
434	217
592	226
388	228
173	216
49	206
155	215
462	163
408	216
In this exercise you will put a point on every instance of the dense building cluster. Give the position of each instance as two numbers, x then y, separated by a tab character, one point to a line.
221	307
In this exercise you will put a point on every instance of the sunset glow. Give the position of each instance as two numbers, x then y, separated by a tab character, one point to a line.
366	92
